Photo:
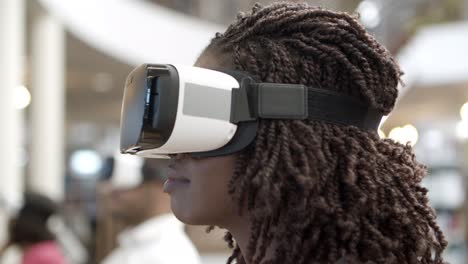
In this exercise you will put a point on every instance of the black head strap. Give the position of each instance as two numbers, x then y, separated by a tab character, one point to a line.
291	101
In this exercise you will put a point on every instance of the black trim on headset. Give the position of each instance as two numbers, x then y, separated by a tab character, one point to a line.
245	134
163	82
246	130
133	108
147	121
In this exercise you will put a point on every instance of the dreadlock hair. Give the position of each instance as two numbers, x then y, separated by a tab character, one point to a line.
323	192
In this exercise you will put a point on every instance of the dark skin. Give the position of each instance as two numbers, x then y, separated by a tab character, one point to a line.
205	200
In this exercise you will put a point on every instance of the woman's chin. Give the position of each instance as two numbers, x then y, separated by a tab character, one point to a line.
183	213
184	218
190	217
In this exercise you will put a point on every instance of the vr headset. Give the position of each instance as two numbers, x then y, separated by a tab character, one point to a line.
170	109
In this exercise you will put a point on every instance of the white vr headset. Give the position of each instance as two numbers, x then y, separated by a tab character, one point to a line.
170	109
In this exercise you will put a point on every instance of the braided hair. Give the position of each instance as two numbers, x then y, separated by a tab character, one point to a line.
324	192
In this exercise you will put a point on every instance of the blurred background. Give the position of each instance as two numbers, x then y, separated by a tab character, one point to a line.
63	66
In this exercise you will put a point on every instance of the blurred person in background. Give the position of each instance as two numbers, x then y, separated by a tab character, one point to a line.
307	191
31	231
153	235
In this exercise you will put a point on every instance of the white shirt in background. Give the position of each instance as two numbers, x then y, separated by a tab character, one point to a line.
159	240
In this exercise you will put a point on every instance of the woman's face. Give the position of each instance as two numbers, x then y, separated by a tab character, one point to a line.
199	189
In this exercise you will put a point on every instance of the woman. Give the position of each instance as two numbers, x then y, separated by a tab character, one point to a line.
30	232
311	191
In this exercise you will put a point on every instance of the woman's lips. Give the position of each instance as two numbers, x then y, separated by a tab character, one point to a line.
175	180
